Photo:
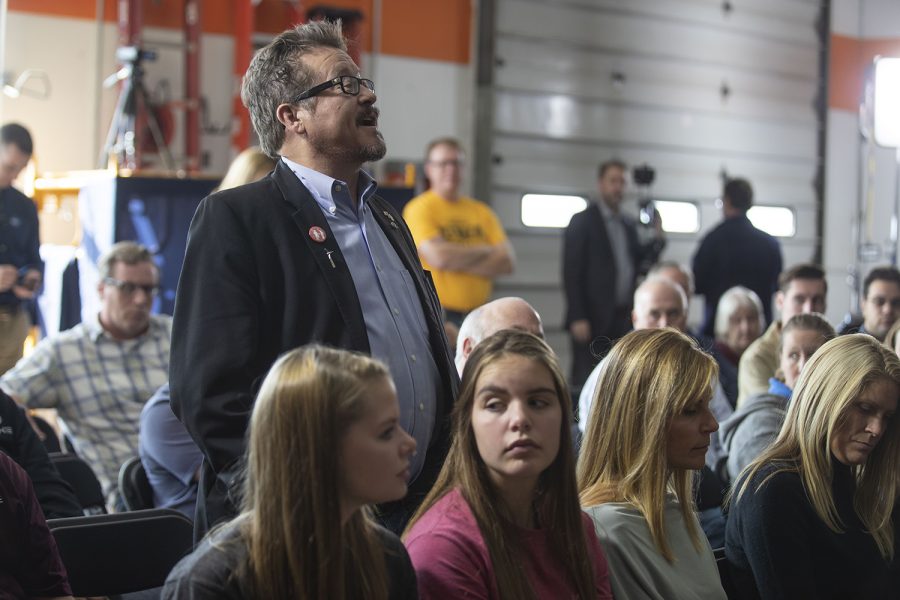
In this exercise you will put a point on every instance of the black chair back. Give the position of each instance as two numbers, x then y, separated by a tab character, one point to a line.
84	482
134	487
724	573
121	553
51	438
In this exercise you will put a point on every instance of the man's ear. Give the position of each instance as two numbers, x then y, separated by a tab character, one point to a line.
290	117
779	300
633	317
467	347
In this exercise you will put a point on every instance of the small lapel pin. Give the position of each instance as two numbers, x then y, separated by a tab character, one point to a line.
390	217
328	253
317	234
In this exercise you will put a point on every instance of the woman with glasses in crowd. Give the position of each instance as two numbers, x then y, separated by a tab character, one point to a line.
503	521
647	435
812	516
325	442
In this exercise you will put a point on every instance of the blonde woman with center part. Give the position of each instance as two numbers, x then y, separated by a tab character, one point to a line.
648	433
502	521
814	515
324	443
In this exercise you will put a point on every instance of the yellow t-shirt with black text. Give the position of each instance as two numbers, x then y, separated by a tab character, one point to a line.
462	221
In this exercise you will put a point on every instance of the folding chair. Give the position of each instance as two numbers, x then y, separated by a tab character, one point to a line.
51	438
121	553
84	482
134	487
724	573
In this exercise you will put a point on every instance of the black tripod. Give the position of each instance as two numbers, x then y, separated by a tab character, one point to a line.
133	100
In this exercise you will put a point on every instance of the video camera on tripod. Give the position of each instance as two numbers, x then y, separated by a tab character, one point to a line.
643	176
133	102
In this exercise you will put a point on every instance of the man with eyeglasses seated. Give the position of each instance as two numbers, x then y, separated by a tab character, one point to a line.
460	239
98	374
880	304
309	253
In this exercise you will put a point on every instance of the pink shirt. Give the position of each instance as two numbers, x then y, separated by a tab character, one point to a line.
452	560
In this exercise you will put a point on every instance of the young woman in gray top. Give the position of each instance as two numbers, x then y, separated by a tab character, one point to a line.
647	432
324	443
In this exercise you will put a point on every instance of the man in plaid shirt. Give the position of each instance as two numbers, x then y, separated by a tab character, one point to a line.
99	374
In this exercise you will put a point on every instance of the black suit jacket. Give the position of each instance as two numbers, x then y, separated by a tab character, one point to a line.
589	268
255	285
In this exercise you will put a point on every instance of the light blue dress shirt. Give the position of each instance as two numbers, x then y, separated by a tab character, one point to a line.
395	321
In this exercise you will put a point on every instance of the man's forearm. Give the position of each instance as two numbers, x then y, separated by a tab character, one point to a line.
448	256
499	262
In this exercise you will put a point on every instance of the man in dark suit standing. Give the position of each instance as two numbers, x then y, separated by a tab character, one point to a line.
309	253
602	258
736	253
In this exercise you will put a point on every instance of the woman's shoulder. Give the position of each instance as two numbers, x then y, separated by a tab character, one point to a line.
210	570
450	514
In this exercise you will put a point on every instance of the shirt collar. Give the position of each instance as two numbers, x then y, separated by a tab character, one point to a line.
323	188
95	330
606	211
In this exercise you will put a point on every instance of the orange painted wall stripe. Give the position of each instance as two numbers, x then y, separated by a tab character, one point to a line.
850	60
430	29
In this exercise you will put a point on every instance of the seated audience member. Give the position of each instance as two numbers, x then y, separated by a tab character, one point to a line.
757	422
324	443
170	457
503	520
880	303
19	441
659	302
892	340
802	289
683	276
647	435
30	566
487	319
811	517
99	373
250	165
739	321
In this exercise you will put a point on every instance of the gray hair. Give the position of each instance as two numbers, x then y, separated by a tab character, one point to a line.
733	299
277	74
129	253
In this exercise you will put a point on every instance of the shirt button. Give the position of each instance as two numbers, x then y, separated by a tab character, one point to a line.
413	357
396	312
337	187
332	209
422	406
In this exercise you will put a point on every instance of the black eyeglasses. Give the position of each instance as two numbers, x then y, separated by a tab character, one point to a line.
349	85
128	288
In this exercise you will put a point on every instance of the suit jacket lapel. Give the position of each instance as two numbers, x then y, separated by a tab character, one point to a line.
327	255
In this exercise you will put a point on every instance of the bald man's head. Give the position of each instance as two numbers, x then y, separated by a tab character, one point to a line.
659	302
488	319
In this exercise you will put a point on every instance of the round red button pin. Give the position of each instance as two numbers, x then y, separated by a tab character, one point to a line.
317	234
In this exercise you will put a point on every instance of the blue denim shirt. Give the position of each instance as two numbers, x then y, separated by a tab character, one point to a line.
395	322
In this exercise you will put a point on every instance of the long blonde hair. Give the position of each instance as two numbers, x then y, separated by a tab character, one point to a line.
248	166
649	377
291	510
556	500
830	382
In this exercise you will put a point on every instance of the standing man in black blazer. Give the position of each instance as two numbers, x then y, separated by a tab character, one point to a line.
602	258
307	254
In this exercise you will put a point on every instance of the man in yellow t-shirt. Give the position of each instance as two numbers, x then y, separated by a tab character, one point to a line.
460	240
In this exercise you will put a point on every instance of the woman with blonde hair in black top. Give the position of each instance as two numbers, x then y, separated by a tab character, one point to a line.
812	516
